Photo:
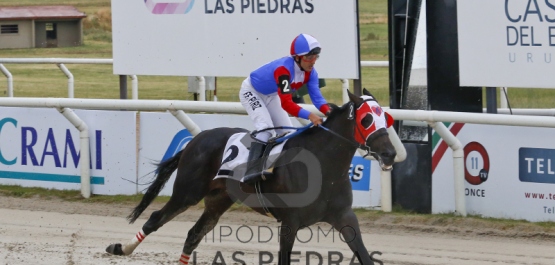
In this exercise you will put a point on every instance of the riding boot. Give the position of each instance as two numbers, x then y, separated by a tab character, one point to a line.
255	163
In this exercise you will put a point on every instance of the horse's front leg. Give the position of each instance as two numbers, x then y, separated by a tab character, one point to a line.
347	225
287	236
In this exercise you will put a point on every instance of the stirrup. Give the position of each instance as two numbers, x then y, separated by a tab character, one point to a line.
275	138
262	176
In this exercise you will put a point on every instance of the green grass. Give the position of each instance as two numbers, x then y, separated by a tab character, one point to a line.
529	97
86	6
68	195
75	196
399	216
406	217
98	81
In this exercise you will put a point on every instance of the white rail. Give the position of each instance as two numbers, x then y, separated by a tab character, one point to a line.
70	80
135	91
60	63
56	61
84	145
10	79
476	118
533	112
177	108
434	118
458	164
374	63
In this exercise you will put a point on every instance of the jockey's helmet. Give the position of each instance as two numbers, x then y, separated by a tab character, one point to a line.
305	44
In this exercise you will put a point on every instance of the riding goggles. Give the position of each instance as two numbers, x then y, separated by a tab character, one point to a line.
310	58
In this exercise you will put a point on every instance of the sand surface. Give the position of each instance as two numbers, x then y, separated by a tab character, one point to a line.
52	231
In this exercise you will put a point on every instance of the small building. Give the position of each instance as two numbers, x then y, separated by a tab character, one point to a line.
40	26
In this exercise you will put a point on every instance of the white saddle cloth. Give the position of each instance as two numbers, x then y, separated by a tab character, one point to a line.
236	153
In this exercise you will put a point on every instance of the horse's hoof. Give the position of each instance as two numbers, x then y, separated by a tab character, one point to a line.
115	249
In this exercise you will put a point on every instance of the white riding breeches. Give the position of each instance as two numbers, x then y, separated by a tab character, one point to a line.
264	110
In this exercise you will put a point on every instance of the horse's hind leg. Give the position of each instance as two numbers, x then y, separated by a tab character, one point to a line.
173	207
188	191
215	204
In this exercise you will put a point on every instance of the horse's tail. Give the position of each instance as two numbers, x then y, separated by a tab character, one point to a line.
165	170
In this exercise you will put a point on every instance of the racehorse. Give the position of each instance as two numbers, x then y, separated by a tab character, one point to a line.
360	123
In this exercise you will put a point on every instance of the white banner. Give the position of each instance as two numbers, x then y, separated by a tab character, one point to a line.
229	37
162	136
506	43
509	172
41	148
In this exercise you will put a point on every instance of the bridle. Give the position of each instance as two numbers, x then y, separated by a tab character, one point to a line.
352	142
355	143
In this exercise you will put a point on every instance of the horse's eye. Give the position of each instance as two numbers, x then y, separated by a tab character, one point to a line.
367	121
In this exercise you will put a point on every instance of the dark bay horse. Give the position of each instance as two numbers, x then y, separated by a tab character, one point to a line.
325	157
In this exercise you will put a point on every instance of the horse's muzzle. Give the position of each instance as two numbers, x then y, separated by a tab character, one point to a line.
385	167
386	160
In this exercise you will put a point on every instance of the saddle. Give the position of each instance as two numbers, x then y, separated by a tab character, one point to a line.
236	151
235	159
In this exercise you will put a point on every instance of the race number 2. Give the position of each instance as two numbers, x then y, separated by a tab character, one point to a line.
285	89
284	85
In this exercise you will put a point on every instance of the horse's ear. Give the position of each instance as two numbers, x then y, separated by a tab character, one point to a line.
367	93
355	99
333	106
389	120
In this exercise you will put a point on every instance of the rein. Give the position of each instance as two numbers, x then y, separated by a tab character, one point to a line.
355	143
298	130
351	142
280	139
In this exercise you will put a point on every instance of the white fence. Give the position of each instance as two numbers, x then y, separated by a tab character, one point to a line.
178	108
60	62
434	118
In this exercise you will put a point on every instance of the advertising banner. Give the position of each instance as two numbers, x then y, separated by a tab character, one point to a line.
41	148
509	172
162	136
506	43
229	37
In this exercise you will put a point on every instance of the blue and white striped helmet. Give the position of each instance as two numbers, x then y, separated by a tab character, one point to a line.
305	44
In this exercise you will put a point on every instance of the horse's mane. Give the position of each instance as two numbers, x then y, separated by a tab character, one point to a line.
335	111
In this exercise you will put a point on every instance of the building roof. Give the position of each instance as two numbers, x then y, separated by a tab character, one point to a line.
39	12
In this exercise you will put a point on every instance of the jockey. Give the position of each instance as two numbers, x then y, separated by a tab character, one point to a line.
267	96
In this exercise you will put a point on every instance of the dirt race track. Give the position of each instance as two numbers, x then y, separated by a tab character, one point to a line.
38	231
